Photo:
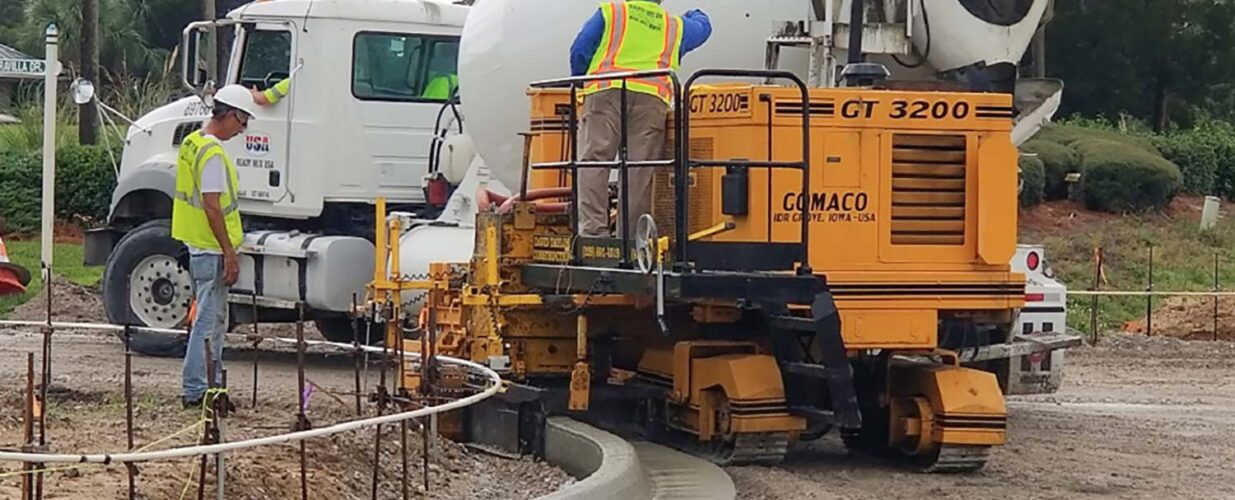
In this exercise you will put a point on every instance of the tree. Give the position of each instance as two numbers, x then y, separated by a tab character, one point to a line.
88	121
1159	60
123	47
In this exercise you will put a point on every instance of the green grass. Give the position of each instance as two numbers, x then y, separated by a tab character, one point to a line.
1183	260
67	263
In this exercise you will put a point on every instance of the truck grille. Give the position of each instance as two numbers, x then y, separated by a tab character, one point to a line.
183	130
928	189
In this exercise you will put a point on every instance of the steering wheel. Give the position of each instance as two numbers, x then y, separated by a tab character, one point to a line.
272	78
645	243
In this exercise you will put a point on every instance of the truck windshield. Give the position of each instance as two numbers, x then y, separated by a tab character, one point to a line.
267	58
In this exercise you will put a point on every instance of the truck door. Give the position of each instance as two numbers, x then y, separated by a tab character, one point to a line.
261	153
399	83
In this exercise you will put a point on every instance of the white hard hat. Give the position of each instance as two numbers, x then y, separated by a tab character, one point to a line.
237	97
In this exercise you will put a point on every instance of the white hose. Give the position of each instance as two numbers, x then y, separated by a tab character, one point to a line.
495	384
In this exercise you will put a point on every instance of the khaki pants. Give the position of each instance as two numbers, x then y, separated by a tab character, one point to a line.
600	133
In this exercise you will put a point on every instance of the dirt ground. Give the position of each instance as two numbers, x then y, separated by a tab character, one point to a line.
86	413
1190	318
1137	417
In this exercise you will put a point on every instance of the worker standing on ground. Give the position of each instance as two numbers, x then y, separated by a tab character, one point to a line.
635	35
206	218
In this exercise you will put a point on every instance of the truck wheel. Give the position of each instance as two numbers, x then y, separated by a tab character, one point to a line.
339	329
146	283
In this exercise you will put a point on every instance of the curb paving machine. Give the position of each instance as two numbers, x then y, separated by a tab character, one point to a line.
816	257
758	318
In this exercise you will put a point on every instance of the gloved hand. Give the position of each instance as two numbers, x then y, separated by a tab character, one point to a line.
694	12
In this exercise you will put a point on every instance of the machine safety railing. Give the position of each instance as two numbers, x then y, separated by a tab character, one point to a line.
623	162
681	161
687	163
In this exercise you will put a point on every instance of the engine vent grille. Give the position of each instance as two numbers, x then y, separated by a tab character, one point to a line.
663	208
928	189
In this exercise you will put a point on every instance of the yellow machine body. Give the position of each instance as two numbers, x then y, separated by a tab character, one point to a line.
912	196
721	388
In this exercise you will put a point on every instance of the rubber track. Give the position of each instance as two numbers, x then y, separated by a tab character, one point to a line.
959	459
767	448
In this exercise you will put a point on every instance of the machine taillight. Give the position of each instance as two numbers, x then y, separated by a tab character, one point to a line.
1035	297
1032	261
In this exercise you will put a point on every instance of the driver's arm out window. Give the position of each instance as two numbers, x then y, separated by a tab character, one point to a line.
267	58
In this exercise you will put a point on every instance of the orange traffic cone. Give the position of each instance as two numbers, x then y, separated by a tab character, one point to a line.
13	278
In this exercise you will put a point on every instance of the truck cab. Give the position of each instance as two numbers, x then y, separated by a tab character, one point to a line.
358	124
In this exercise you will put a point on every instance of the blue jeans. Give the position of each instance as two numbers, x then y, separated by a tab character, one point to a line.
210	323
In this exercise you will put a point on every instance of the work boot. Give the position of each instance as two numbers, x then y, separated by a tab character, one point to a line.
190	404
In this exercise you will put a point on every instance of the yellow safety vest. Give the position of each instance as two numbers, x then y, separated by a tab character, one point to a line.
440	87
189	222
639	36
278	91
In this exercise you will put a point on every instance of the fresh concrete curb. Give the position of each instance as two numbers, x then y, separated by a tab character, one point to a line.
606	465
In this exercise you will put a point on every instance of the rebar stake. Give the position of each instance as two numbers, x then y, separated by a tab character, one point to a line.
1216	287
302	423
356	351
257	354
1149	299
381	409
1097	285
27	484
47	333
428	349
208	429
128	406
396	335
221	404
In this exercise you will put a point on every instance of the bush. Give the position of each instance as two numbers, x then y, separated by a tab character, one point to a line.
1120	179
1069	135
1206	157
1033	178
84	183
1058	161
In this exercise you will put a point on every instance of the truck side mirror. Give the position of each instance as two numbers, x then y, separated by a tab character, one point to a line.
191	62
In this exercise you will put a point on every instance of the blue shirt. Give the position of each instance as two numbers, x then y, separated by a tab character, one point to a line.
696	29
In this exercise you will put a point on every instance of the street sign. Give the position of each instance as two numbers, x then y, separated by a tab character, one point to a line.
22	68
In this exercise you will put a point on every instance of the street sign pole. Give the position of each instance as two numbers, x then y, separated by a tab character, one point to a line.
50	71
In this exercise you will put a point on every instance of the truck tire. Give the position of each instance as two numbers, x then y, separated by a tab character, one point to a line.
339	329
146	282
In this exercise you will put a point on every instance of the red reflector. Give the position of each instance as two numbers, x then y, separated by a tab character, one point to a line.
1035	297
1032	261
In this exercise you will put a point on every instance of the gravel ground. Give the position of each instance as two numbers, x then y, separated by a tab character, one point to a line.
1137	417
86	413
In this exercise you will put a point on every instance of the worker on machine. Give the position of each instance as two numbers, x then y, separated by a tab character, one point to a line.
635	35
206	217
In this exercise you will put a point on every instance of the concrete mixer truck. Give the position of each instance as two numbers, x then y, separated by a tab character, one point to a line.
356	127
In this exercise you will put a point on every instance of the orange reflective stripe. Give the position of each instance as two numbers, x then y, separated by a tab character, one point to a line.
671	36
616	34
608	64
